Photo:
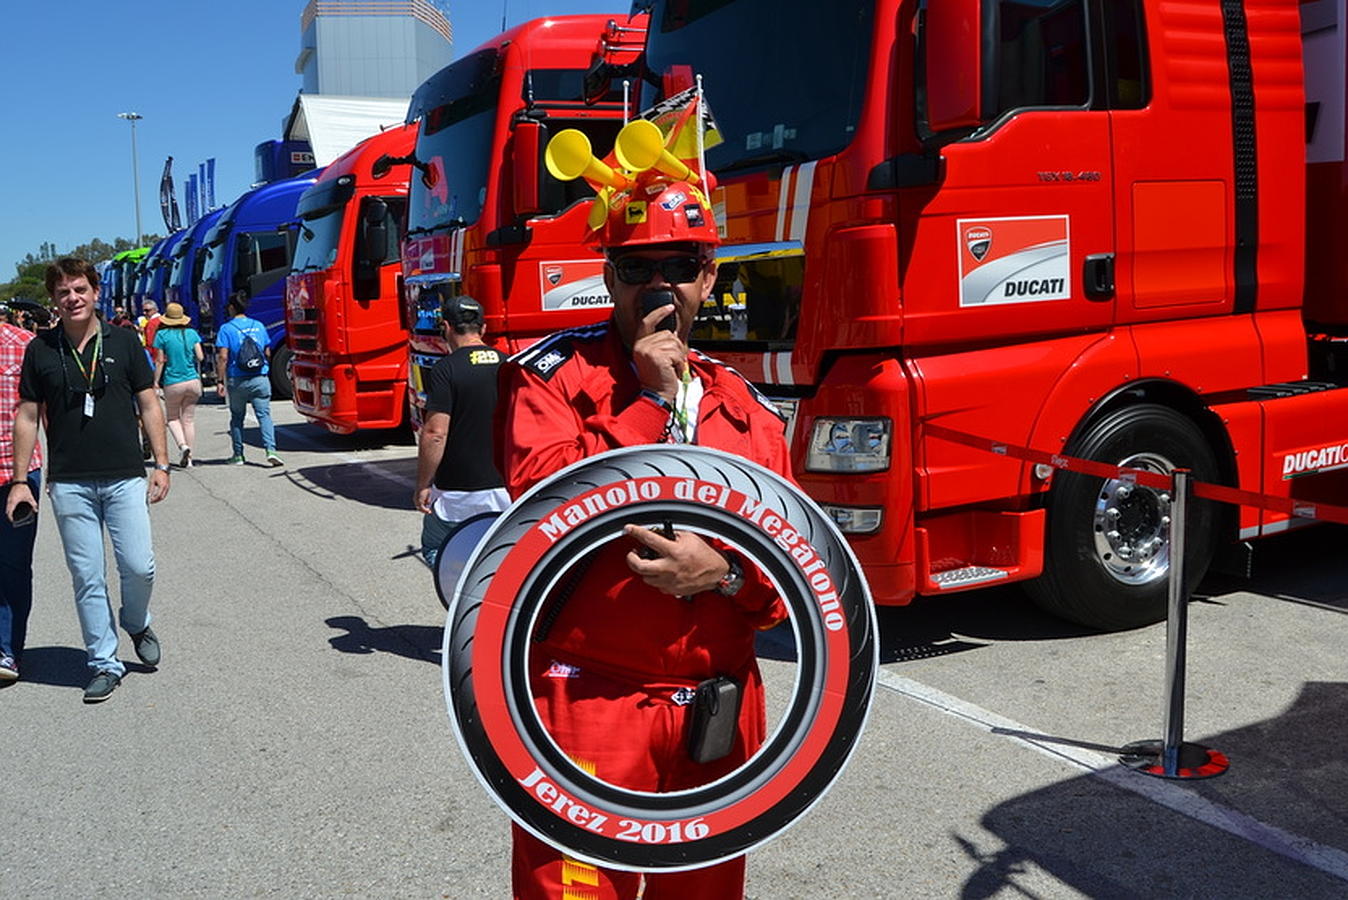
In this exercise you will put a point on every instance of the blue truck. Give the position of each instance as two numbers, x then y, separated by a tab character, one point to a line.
140	284
154	277
188	260
249	249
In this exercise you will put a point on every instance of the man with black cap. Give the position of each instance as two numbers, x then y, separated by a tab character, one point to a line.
456	477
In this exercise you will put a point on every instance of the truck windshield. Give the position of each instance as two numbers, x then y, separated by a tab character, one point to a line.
457	109
215	259
454	187
317	248
813	56
179	261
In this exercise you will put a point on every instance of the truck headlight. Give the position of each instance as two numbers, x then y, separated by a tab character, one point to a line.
849	445
854	519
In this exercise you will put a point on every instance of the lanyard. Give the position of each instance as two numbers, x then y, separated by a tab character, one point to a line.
680	412
93	364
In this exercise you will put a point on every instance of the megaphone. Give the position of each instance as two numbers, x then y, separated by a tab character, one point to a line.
641	146
569	157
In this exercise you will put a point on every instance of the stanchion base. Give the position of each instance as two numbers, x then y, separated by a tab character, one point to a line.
1195	760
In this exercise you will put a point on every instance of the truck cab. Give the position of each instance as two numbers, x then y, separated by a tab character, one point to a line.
485	218
349	368
249	249
1068	226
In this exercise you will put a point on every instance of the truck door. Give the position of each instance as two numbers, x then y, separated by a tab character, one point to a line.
1174	203
1017	243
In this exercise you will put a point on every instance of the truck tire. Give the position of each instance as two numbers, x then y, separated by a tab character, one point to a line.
281	387
1107	552
498	605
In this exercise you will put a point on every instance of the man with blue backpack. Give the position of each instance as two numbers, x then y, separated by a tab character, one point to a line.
241	348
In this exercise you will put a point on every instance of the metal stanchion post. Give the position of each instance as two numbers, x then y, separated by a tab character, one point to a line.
1171	757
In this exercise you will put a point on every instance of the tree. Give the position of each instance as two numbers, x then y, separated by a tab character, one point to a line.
30	283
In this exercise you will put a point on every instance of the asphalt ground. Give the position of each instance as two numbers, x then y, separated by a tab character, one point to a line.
294	740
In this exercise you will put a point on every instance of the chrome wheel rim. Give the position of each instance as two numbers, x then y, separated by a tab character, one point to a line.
1132	524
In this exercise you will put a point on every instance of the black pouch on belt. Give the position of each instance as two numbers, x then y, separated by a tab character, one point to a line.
713	720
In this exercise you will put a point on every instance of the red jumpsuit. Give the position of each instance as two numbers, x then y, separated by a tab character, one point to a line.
608	678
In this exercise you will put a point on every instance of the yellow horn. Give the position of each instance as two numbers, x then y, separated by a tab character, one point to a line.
599	209
569	157
641	146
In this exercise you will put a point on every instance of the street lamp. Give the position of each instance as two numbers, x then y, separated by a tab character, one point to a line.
134	117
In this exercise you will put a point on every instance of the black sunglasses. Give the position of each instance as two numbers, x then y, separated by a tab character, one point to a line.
636	270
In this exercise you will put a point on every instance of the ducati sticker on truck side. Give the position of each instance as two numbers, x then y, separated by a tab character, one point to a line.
1014	260
573	284
1312	462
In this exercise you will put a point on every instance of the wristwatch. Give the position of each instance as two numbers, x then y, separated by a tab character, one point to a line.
163	467
733	579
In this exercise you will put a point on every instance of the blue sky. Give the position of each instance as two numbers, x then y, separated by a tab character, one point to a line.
211	79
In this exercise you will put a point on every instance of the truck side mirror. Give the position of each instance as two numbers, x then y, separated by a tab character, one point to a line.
598	80
528	150
953	38
376	230
381	166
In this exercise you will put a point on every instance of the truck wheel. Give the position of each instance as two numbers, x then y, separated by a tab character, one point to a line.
1107	553
281	388
499	604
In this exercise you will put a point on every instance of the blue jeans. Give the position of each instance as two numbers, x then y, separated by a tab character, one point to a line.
16	574
82	509
257	391
434	530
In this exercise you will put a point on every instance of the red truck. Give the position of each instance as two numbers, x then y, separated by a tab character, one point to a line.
484	216
1079	227
343	318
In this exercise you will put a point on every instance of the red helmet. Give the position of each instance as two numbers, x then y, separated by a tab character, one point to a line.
657	212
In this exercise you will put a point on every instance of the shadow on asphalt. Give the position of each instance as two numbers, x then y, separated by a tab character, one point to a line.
64	667
1303	566
940	626
57	666
315	439
354	481
1289	772
419	642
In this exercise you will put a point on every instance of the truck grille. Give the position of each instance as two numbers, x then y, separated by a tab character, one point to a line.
303	330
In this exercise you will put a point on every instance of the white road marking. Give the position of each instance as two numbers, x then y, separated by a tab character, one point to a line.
1170	794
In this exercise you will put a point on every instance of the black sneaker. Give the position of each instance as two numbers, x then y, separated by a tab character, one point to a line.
101	687
147	647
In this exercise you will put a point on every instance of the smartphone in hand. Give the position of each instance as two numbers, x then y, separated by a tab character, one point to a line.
24	514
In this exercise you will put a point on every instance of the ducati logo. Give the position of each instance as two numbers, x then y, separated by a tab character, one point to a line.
979	241
553	274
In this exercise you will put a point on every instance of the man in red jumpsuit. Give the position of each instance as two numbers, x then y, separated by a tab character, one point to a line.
647	619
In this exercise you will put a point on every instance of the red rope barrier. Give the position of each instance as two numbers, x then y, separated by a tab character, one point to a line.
1301	509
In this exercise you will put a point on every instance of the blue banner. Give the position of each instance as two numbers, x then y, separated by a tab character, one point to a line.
190	197
210	183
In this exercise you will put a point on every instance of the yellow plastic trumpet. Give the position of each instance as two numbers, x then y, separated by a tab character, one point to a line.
569	156
641	146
